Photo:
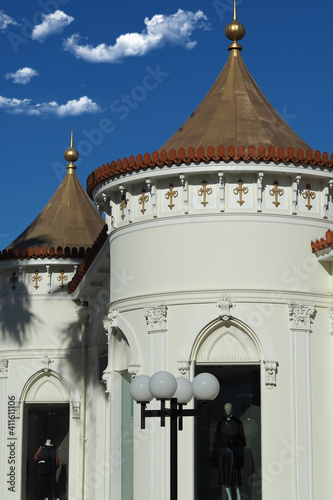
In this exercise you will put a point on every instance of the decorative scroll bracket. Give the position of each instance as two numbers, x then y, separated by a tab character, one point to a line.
225	306
222	191
260	176
296	181
270	373
184	182
76	406
46	363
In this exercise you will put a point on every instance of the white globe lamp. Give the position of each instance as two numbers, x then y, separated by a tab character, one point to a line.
162	385
205	387
139	389
184	392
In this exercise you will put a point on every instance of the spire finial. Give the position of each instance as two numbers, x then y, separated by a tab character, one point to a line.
71	155
235	31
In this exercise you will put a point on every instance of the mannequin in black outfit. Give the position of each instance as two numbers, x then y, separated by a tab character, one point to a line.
228	452
47	459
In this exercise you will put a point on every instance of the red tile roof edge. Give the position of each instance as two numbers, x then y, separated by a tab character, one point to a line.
89	259
323	243
172	157
43	253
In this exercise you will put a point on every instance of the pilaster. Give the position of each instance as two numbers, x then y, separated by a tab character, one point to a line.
156	318
300	317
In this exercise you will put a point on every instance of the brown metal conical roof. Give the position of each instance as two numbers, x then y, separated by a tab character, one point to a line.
68	220
235	112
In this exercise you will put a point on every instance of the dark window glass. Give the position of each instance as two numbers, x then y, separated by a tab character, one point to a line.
228	453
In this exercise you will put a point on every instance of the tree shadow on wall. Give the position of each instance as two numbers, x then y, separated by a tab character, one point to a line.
16	318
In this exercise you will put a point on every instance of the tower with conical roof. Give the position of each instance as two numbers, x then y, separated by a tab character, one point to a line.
44	351
213	231
69	220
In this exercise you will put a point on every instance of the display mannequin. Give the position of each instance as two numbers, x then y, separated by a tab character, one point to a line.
47	459
228	452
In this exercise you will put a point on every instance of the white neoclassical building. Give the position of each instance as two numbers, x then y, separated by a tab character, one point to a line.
215	255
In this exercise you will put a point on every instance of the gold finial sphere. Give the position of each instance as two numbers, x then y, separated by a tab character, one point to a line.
71	155
235	31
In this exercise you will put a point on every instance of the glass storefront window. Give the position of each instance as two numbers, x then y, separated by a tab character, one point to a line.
228	453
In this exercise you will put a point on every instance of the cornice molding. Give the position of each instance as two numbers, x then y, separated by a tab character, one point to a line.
221	153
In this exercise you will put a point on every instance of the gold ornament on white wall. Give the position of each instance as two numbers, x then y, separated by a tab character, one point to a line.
36	278
123	205
276	192
308	195
241	190
205	191
62	277
170	195
144	198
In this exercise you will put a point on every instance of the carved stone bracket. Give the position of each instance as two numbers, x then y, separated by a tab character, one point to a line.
156	318
184	368
48	278
184	182
107	382
260	176
270	374
111	320
301	316
327	191
222	191
3	368
76	405
46	362
225	306
152	189
133	370
295	186
17	408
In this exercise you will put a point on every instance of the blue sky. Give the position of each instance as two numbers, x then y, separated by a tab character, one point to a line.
125	75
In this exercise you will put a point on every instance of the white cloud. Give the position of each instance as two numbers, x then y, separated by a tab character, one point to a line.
71	108
175	29
5	20
51	24
22	75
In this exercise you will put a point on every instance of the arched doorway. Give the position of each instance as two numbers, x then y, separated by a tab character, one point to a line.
230	351
45	416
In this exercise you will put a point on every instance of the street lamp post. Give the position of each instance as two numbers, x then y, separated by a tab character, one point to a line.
164	386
